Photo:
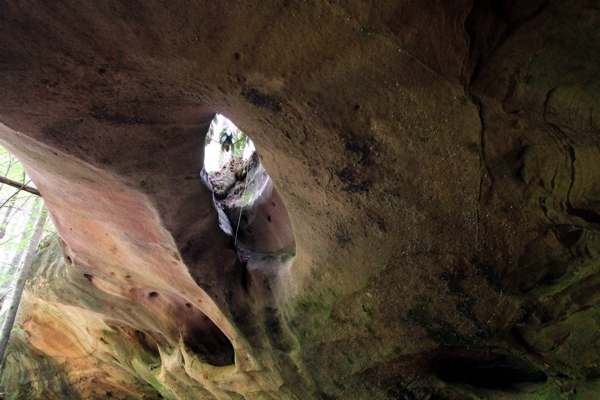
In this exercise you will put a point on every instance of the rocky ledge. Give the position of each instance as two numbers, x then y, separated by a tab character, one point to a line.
424	223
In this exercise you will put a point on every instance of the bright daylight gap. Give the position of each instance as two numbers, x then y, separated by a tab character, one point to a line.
223	142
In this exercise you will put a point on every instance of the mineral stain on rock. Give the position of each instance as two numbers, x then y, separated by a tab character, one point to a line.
422	222
263	100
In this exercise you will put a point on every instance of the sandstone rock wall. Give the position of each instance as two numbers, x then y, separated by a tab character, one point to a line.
437	161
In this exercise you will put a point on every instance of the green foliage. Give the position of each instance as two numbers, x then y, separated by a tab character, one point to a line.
17	329
10	166
230	137
6	276
19	211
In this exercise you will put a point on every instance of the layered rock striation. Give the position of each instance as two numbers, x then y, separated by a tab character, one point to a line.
429	228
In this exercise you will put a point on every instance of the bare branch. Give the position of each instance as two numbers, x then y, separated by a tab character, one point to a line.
20	186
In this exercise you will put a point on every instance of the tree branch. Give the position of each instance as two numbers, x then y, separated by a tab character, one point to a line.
20	186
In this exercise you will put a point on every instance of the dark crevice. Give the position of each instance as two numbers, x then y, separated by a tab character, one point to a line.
568	235
480	47
553	181
496	372
208	342
571	151
483	168
587	215
498	25
245	279
548	95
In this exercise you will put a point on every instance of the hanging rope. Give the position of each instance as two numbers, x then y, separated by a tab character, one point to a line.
242	207
236	142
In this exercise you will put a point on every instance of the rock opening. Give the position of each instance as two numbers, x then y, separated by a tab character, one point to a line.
225	142
207	341
244	194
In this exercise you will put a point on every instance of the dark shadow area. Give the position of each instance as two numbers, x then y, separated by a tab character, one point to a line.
568	235
208	342
497	372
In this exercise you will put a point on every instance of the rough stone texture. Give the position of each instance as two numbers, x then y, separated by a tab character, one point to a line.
437	160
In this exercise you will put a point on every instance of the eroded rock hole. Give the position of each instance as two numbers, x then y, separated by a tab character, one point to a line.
208	342
88	277
253	214
569	235
496	372
153	294
250	209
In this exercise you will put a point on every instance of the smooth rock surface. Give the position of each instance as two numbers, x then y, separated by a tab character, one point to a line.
437	160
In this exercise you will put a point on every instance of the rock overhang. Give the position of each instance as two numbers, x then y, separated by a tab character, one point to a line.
437	166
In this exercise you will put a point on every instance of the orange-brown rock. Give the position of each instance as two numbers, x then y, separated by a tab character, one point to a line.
431	226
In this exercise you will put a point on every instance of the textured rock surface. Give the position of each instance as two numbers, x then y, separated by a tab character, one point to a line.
437	159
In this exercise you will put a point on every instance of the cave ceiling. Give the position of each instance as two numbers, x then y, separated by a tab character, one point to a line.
421	221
